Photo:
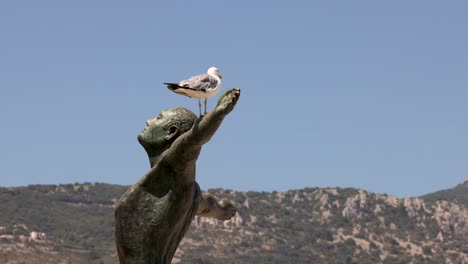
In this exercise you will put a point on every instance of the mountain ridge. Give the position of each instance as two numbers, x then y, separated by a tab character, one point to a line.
335	225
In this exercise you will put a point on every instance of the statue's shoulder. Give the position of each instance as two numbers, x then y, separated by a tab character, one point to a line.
129	196
138	188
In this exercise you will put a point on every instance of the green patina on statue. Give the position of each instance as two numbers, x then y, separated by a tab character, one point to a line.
152	217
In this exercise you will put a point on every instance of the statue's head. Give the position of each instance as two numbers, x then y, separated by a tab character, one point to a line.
162	130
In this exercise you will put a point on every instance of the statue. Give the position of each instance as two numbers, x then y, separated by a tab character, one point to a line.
153	215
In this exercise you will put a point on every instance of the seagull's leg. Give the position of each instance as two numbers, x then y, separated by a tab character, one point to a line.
205	105
199	106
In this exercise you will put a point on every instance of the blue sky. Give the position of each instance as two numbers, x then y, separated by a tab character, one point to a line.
364	94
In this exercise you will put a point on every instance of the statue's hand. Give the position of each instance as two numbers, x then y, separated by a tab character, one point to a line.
227	101
229	210
209	206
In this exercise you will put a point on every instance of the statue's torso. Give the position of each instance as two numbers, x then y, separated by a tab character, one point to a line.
153	215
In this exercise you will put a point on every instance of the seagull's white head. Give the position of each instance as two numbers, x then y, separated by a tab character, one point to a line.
213	71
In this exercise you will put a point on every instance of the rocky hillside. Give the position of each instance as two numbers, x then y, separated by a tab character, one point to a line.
74	224
458	194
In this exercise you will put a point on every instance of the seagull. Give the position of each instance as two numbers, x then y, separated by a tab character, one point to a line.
199	86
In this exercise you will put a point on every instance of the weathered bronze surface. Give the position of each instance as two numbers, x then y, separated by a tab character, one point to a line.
152	217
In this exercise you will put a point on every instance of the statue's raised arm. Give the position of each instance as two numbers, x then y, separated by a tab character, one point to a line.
202	131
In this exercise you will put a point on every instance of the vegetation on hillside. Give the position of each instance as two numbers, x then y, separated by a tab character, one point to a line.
74	223
458	194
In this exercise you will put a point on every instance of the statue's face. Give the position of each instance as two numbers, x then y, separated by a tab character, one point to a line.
156	131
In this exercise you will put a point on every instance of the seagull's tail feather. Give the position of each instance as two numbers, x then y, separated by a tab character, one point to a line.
172	86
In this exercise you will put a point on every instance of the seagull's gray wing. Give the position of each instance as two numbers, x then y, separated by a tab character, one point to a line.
200	82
